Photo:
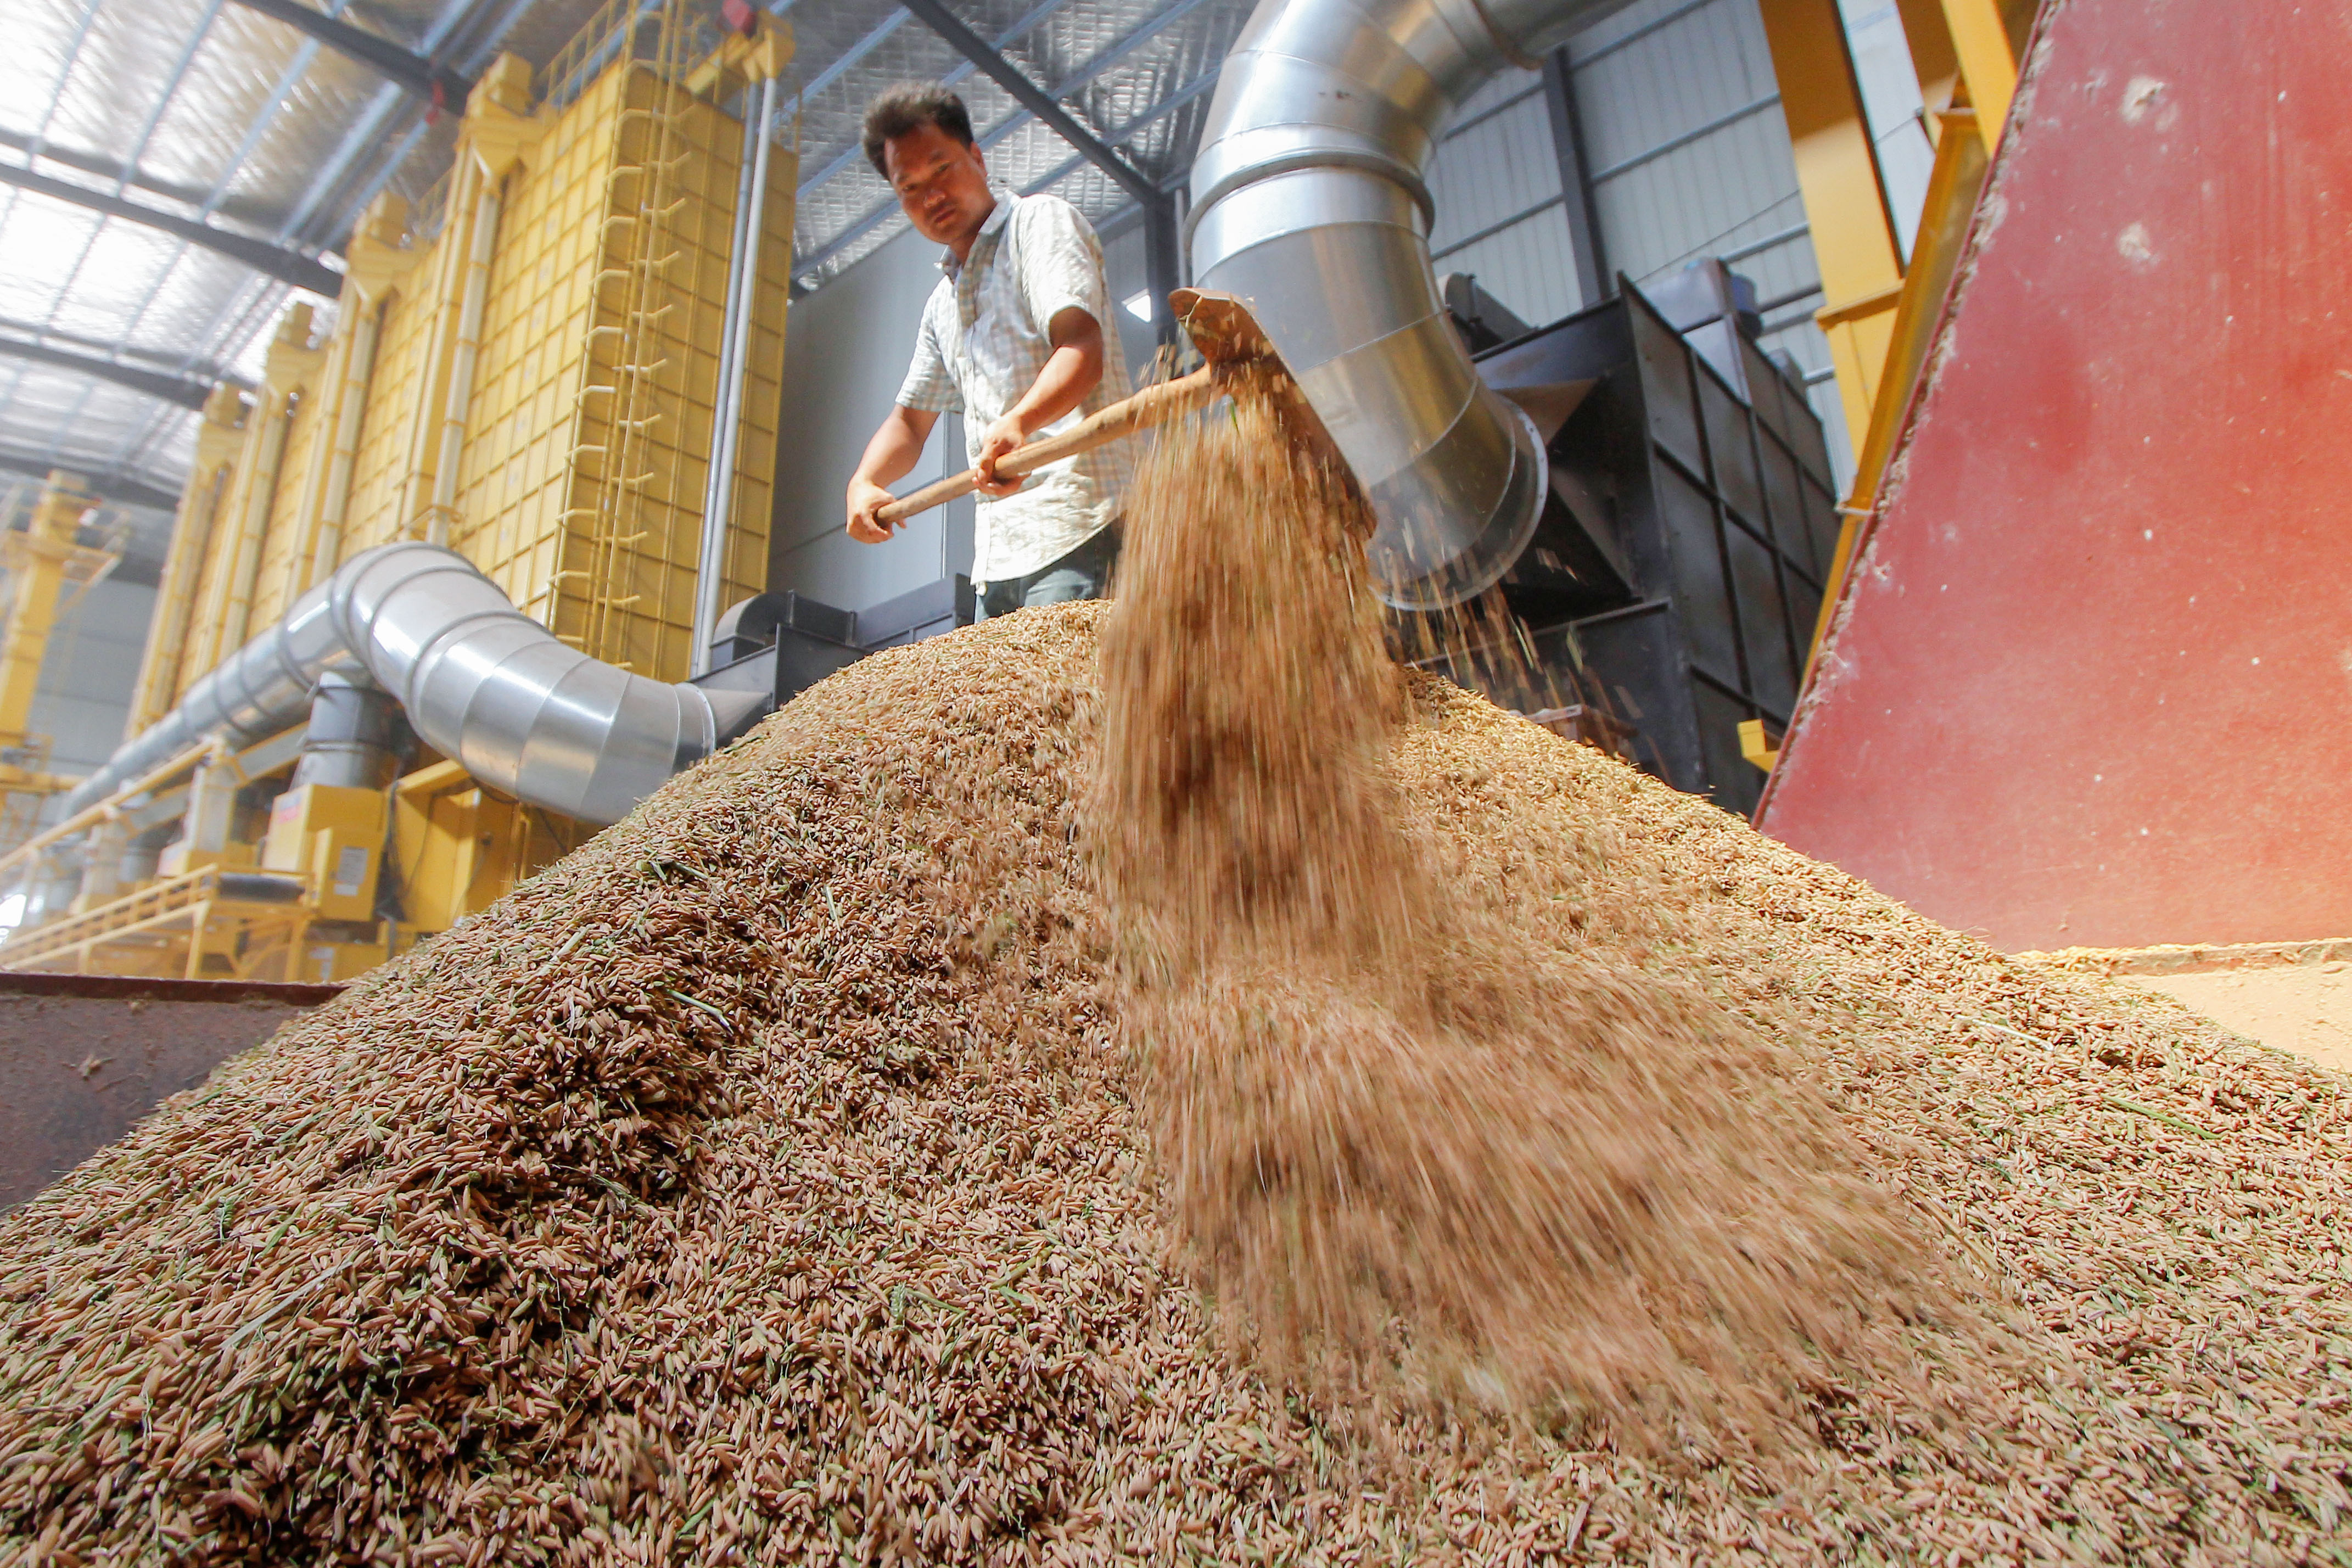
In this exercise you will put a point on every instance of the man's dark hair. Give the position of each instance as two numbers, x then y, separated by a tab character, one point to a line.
898	110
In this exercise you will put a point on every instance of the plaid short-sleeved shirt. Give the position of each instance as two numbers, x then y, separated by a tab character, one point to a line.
980	348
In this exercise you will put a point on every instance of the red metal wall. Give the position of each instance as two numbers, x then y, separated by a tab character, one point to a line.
2092	685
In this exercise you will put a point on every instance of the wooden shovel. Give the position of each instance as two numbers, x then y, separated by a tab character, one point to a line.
1219	326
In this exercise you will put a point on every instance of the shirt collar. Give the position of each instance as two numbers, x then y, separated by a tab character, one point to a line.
997	217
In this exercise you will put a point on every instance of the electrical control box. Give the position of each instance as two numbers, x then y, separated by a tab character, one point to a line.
333	836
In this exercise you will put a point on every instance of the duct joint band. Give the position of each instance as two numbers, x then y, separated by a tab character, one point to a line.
1389	168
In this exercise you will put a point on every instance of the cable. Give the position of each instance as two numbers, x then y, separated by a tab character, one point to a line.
1912	122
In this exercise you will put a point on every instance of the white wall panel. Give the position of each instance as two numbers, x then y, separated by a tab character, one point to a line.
1498	164
845	351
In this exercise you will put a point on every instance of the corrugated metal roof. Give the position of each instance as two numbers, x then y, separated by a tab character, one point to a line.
201	110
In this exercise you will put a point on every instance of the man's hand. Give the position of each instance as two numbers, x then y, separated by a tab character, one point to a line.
889	456
1071	371
1001	440
866	498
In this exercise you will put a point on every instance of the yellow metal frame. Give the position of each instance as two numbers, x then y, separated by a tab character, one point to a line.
1853	232
38	559
1962	161
586	359
42	563
1879	311
178	926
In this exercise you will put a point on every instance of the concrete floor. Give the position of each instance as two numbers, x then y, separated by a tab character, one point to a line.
2301	1007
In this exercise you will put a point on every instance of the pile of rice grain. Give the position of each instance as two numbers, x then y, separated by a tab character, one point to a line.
762	1184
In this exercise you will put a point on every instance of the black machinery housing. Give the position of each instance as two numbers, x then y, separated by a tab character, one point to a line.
1675	576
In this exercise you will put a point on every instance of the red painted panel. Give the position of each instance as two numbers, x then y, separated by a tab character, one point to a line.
2093	682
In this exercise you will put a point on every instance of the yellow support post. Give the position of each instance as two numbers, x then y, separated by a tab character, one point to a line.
290	370
1988	38
48	546
217	439
1961	163
1854	237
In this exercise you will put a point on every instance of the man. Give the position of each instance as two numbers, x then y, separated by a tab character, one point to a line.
1017	337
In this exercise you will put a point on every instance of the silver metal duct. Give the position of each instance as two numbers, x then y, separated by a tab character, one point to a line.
1308	202
353	739
481	682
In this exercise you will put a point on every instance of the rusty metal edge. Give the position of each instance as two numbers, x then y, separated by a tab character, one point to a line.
126	988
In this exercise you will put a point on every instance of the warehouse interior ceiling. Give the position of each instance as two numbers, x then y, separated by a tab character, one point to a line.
141	145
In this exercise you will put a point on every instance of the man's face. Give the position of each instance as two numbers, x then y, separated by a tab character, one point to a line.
941	183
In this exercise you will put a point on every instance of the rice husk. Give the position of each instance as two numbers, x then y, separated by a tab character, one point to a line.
1418	1152
767	1182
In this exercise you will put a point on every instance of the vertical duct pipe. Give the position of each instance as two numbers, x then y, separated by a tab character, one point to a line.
192	536
734	362
754	98
242	570
329	486
292	369
420	482
143	854
1308	202
334	388
352	737
102	854
464	353
228	540
327	546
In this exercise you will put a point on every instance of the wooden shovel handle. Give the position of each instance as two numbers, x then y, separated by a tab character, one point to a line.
1152	405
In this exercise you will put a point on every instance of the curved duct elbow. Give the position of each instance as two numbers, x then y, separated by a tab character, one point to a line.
481	682
1308	202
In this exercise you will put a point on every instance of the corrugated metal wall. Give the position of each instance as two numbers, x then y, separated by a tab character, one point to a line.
1496	183
1679	113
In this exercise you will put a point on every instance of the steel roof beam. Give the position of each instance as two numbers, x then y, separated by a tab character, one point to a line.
164	360
119	487
1033	97
177	389
288	266
107	169
435	83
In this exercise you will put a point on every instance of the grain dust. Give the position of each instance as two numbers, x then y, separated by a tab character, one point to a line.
1419	1151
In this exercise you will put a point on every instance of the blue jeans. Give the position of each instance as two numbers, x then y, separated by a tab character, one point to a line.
1083	573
